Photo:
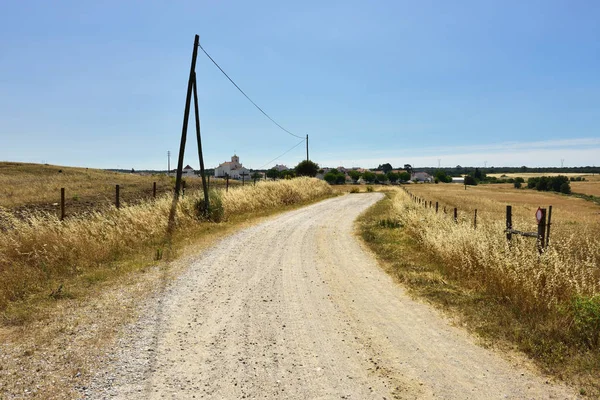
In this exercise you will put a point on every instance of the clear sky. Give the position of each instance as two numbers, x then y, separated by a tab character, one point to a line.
103	84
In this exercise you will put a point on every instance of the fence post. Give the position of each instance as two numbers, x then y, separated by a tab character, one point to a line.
226	182
154	189
508	223
436	207
475	220
541	239
455	214
117	200
429	203
62	204
548	225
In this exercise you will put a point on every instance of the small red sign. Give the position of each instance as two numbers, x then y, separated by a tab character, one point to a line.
538	215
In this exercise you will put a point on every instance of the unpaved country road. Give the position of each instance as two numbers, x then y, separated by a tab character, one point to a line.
296	308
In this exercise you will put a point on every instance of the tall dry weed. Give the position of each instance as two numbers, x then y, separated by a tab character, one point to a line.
514	271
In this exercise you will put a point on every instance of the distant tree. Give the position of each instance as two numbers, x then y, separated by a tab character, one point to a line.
469	180
387	167
340	178
408	168
517	184
381	178
368	176
441	176
355	175
307	168
287	174
404	176
256	176
565	188
330	177
273	173
393	177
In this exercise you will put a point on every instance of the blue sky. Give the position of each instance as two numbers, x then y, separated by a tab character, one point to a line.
103	84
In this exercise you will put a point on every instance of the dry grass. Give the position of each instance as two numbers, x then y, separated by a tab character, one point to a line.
36	187
590	188
548	305
38	252
527	175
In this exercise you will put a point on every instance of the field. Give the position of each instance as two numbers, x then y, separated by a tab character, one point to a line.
546	305
36	187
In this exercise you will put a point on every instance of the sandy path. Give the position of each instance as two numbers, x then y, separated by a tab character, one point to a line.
295	308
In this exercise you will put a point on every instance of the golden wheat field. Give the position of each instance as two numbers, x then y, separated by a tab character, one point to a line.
569	267
36	248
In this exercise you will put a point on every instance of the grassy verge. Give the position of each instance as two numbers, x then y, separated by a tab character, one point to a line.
562	338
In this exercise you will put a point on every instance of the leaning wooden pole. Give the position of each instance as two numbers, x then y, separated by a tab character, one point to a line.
200	155
186	115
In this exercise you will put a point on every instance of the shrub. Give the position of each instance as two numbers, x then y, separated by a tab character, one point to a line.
517	185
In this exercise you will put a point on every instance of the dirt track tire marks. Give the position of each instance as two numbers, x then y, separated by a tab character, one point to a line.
296	308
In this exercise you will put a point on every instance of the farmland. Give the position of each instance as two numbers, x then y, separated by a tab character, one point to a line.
36	187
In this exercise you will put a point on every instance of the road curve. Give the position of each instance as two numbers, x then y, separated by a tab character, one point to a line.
296	308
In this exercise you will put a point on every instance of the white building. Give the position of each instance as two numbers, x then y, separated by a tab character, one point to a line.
186	172
232	168
280	167
421	177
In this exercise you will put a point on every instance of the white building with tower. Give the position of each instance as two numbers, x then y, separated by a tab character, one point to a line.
232	168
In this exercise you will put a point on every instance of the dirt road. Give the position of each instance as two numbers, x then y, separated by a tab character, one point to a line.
296	308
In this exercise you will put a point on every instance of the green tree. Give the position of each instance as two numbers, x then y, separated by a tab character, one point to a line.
381	178
287	174
404	176
441	176
469	180
387	167
368	176
340	178
393	177
273	173
355	175
256	176
330	177
408	168
307	168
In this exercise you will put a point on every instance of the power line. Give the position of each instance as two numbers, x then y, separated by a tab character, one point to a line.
287	151
249	99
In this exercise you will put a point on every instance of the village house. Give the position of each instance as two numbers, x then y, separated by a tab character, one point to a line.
280	167
421	177
187	172
232	168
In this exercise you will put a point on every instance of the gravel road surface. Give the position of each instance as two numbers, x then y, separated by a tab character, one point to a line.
296	308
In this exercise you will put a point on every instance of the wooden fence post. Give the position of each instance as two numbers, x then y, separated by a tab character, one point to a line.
541	239
154	190
475	220
548	226
455	214
117	200
227	182
62	204
436	207
508	223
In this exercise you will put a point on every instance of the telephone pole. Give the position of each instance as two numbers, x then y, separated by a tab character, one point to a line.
307	147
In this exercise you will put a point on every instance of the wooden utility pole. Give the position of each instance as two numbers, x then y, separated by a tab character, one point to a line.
200	156
186	115
542	232
307	147
243	174
548	225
